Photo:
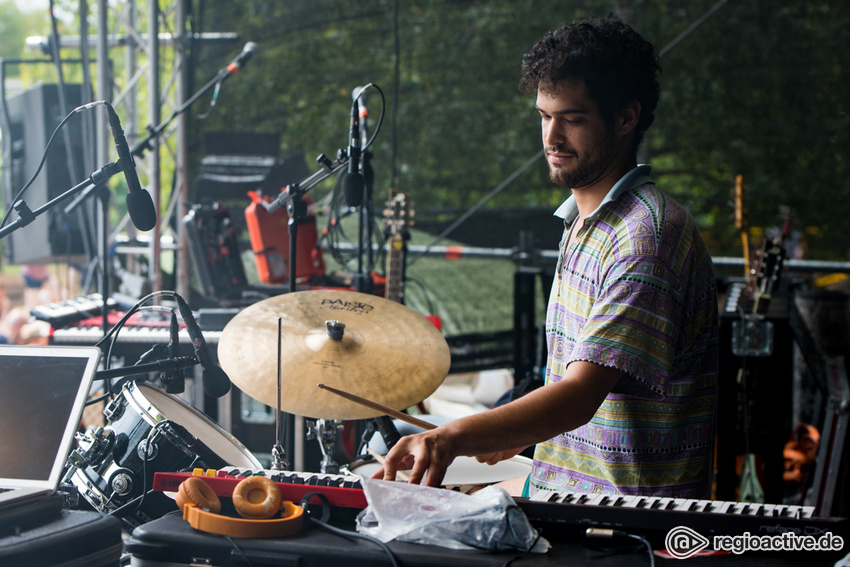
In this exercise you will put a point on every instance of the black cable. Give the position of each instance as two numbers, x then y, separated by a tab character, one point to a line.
333	232
35	175
604	533
239	550
326	512
380	116
356	535
139	500
132	311
116	329
147	454
526	553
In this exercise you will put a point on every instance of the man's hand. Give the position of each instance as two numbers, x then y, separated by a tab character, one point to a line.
427	455
493	436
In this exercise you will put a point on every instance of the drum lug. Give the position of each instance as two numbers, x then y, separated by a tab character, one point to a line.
114	410
122	482
91	447
148	449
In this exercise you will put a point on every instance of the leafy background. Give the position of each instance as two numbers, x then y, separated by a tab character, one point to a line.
749	88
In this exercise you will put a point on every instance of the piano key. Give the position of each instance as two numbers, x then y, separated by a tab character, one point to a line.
570	497
636	502
653	502
544	496
596	500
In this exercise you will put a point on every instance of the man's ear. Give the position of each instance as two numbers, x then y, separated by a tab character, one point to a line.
628	117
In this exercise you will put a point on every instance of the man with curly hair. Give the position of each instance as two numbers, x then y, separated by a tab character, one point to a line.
628	406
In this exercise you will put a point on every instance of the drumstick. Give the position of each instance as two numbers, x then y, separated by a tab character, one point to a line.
379	407
380	458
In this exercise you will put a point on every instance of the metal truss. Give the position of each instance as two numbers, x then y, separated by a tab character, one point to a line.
141	68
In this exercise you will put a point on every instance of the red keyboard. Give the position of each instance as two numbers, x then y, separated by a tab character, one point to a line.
342	491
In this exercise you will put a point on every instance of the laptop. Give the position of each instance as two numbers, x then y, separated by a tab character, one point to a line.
43	390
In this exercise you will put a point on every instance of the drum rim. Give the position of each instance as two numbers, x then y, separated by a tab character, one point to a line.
197	413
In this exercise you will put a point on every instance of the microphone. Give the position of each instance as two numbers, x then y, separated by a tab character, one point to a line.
139	202
216	382
353	184
174	380
388	431
240	60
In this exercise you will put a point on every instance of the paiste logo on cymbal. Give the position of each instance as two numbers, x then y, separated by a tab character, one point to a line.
352	306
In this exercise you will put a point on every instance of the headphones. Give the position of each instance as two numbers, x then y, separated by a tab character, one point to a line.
257	500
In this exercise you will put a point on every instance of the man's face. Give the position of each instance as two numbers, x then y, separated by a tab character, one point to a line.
580	146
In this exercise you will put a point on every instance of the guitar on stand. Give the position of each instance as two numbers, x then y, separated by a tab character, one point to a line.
397	220
752	335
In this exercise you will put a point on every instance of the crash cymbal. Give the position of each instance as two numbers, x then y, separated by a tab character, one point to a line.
381	350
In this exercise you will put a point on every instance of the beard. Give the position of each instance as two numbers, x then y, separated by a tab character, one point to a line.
589	166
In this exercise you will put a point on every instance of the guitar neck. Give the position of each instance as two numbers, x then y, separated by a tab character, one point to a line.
395	269
397	218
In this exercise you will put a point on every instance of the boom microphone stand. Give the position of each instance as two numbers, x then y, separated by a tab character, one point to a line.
138	151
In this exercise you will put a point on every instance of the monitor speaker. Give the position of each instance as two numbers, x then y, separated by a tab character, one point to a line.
53	237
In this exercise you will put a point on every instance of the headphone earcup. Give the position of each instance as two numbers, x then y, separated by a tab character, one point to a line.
195	491
257	497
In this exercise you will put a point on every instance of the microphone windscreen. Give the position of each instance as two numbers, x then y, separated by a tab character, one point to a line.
352	189
141	209
216	382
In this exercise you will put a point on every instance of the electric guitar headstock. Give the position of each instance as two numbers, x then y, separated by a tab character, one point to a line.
397	214
770	263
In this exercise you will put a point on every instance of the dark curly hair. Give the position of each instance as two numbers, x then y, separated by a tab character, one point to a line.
615	62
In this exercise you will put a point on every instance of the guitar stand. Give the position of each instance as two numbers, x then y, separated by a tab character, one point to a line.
833	437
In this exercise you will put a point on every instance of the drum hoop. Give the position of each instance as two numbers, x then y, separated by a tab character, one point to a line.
129	391
205	420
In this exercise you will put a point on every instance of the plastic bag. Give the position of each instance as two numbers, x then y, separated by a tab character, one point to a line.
488	519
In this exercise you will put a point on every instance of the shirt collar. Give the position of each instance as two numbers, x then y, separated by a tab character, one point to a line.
634	178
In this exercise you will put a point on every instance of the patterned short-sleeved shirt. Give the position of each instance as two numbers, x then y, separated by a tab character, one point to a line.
636	291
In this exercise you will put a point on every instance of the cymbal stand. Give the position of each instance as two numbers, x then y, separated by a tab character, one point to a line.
324	430
279	460
292	198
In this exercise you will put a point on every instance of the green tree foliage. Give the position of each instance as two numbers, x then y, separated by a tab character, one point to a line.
15	26
755	88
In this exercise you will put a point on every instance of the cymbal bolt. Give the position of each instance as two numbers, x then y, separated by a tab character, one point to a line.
335	329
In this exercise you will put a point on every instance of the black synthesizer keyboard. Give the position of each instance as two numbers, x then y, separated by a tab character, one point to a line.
570	514
69	311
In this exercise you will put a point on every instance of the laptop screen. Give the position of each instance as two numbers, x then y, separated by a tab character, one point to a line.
43	390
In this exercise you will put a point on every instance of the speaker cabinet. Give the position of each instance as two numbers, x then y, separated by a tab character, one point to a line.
53	236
